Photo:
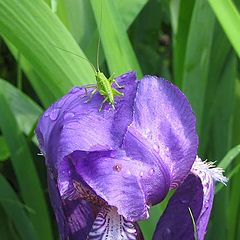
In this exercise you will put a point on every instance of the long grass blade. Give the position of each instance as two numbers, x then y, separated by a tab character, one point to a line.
220	65
180	38
220	143
117	47
129	10
234	201
229	175
229	18
196	62
229	157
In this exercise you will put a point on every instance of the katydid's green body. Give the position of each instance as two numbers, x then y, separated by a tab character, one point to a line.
105	88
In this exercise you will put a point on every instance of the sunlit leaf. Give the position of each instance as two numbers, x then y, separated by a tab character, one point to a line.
36	32
117	47
229	18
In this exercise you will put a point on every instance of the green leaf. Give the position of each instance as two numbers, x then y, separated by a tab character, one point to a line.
223	108
227	161
22	162
25	110
129	10
54	5
229	17
36	32
180	38
221	78
229	175
150	41
220	132
229	157
6	227
196	62
174	6
79	19
233	216
15	211
48	95
117	47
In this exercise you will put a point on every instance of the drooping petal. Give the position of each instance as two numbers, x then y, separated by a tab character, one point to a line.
116	179
73	124
110	225
208	174
163	132
74	218
196	193
176	222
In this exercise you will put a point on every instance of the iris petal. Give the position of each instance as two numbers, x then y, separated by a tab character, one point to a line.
74	218
176	222
162	133
72	124
196	193
110	225
116	179
208	174
58	208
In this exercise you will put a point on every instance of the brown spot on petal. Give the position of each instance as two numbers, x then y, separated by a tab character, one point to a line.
117	168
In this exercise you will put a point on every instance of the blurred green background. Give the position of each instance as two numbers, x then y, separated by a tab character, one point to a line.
193	43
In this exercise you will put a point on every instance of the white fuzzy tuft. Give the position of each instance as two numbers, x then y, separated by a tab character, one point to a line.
209	169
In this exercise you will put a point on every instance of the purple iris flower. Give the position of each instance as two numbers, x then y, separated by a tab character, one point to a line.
107	168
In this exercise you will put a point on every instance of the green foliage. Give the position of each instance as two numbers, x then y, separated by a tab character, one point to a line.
15	210
26	174
114	38
229	18
195	45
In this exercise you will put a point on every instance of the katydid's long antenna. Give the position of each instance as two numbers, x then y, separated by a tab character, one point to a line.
77	55
99	38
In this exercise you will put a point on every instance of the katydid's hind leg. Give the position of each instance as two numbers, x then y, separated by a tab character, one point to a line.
119	86
112	80
117	93
91	96
86	93
101	106
86	87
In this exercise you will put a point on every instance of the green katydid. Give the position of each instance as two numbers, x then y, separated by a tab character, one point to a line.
105	88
